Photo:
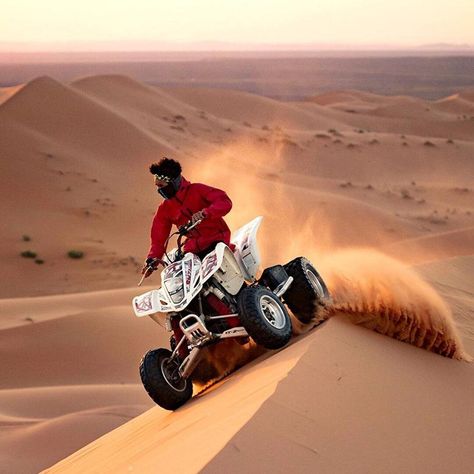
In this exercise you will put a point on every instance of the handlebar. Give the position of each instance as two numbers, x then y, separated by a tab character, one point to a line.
151	268
181	232
184	229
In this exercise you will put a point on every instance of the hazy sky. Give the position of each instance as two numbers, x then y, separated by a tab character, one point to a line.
354	22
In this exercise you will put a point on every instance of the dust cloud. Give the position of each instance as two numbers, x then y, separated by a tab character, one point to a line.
380	293
370	288
222	359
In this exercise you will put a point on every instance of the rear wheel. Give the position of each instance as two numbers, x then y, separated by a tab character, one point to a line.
162	381
307	291
264	317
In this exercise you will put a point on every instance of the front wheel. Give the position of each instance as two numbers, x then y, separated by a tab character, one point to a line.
307	291
264	317
162	381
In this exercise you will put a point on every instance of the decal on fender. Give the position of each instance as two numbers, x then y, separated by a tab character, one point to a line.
211	262
144	304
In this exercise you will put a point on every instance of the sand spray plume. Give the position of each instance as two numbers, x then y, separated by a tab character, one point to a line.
254	178
380	293
371	289
229	355
222	359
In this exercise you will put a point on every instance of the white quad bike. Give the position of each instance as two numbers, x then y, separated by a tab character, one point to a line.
204	302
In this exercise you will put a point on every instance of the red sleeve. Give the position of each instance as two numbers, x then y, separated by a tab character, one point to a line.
160	231
219	202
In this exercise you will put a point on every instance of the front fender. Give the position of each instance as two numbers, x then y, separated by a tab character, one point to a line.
149	303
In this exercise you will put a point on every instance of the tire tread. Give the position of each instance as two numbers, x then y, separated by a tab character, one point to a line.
253	321
156	386
301	297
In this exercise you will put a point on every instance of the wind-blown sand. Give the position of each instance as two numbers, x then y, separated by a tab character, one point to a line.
377	191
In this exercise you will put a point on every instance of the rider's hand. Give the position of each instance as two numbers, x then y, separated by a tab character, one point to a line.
198	216
149	267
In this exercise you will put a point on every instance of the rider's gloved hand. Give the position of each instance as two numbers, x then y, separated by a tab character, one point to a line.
151	264
198	216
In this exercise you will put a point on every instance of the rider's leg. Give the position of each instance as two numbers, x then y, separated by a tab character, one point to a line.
209	249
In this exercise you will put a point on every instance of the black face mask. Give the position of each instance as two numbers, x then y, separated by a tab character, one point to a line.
169	191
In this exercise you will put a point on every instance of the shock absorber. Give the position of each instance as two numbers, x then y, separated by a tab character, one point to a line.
178	335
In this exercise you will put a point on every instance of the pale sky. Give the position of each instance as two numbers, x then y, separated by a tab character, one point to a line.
340	22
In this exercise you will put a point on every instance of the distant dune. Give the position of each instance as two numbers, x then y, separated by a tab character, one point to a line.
284	75
376	190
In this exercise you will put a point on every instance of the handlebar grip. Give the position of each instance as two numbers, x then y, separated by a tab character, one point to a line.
184	229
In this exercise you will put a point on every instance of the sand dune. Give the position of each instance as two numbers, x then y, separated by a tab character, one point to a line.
441	245
296	427
57	110
467	94
24	454
69	365
251	110
338	177
90	347
457	103
7	92
450	117
196	428
452	278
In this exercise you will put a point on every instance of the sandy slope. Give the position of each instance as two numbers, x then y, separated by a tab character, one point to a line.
338	410
453	279
405	419
343	171
68	373
202	427
7	92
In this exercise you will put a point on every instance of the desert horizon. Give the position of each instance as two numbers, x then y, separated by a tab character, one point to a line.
373	184
294	76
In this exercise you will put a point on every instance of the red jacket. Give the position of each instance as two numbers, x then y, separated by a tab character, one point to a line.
191	198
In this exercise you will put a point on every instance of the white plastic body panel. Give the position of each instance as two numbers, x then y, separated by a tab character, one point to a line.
212	261
175	294
246	248
148	303
228	273
183	280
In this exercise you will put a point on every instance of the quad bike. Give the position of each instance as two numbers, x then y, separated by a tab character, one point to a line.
204	302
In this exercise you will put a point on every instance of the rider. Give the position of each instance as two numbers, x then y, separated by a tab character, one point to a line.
186	202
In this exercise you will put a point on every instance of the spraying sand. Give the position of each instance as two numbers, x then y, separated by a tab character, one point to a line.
380	293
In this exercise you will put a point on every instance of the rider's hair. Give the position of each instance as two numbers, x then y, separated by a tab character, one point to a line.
166	167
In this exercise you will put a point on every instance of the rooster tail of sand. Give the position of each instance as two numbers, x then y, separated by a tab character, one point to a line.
380	293
222	359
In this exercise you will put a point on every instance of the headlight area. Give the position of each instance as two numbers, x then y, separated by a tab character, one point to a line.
174	286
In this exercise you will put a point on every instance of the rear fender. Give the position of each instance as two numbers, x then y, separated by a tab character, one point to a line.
246	248
222	264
